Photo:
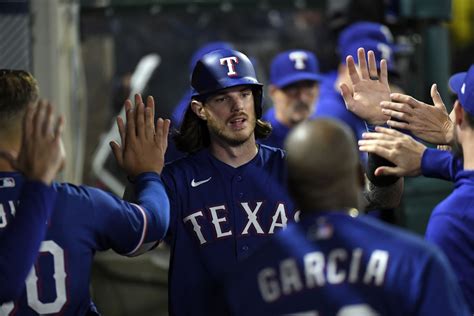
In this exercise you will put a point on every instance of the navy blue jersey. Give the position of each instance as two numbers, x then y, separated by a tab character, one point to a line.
84	220
23	236
332	264
219	215
440	164
451	227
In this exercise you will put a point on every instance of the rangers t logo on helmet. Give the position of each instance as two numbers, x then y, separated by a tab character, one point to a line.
229	61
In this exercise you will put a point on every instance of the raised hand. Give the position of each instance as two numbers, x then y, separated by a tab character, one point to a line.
400	149
368	89
430	123
143	143
41	154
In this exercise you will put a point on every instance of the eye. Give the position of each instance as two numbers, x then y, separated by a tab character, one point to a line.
246	93
220	99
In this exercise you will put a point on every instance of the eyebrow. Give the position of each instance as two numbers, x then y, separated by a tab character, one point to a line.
239	90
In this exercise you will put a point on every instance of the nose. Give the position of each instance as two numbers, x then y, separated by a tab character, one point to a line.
237	103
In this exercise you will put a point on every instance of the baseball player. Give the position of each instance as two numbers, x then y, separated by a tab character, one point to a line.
334	262
84	220
451	221
40	159
228	195
294	90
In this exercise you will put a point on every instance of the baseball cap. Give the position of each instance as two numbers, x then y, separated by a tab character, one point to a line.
365	31
294	65
370	36
462	84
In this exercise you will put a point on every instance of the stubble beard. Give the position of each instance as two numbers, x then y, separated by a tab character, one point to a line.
233	139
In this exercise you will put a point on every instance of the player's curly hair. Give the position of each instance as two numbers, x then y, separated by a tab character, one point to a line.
18	88
193	133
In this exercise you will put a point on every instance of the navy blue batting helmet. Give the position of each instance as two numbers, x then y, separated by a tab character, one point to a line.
225	68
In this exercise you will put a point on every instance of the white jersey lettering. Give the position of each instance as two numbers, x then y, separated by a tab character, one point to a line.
279	214
196	226
252	218
217	220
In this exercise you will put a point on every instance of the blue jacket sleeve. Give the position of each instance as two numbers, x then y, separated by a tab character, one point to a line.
151	195
440	164
22	238
131	228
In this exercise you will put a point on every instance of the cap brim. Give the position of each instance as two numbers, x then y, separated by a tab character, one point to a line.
456	81
300	76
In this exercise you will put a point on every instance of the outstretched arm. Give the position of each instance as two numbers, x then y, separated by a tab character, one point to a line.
40	158
141	155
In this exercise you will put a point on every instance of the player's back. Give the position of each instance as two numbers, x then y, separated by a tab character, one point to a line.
333	264
82	222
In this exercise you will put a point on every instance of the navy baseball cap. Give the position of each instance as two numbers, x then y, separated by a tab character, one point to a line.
380	49
462	84
292	66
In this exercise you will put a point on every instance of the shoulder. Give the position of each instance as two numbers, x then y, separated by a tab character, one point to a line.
272	152
189	162
271	155
396	237
459	204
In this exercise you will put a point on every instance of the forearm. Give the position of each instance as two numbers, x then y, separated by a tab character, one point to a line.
383	197
151	196
440	164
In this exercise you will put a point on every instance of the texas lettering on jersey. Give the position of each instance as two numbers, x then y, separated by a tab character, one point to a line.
217	219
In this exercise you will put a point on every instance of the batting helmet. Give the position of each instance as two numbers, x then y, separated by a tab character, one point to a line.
225	68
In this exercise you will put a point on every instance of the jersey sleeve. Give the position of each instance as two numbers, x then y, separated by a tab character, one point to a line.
439	292
440	164
132	228
21	239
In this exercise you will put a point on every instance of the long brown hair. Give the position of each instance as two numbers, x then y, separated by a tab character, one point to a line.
193	133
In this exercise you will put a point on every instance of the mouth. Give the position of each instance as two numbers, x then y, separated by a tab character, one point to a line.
238	122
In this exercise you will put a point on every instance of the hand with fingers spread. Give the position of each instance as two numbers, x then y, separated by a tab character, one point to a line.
368	89
41	154
402	150
430	123
143	143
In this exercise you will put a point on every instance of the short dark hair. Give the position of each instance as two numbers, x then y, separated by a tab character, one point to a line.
193	133
18	88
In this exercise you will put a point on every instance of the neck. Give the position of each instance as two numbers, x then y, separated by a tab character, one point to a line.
234	156
468	150
11	144
331	197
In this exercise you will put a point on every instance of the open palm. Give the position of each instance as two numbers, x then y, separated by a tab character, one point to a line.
368	88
